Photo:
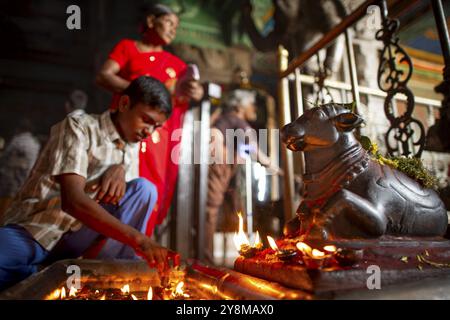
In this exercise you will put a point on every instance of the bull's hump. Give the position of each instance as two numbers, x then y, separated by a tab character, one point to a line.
408	187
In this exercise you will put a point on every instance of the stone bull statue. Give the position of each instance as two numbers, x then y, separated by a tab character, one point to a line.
298	24
349	195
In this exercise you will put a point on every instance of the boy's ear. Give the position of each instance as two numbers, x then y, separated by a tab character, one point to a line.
348	121
124	103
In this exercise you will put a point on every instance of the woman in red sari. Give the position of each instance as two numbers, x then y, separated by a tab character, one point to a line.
131	59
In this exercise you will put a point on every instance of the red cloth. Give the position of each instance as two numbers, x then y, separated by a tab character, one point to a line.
155	161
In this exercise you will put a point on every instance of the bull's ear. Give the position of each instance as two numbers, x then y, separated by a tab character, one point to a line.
348	121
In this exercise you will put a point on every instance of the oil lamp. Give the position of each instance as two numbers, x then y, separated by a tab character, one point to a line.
347	257
315	258
282	254
243	244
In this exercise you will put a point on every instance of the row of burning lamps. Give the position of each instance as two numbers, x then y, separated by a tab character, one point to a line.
244	248
61	294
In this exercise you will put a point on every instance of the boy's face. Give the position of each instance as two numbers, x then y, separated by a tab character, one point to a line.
138	122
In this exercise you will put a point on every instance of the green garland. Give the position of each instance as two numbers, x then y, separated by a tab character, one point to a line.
411	166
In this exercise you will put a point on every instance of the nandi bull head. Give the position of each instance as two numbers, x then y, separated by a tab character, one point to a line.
320	127
348	195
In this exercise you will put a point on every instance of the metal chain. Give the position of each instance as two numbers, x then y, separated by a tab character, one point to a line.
394	72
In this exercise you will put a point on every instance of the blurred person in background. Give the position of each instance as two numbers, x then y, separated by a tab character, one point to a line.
239	110
76	103
16	162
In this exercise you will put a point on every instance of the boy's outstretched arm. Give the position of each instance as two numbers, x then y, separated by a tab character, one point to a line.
76	203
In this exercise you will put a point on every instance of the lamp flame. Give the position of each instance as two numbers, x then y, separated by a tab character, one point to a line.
240	238
318	254
150	294
304	248
258	243
179	288
73	292
125	289
179	291
272	243
314	253
63	293
330	248
54	295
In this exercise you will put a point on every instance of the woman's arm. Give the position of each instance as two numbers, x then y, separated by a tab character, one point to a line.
193	89
109	79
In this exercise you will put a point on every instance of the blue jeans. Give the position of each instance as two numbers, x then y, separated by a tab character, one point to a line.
20	254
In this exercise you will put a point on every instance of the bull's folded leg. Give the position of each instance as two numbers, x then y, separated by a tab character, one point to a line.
348	215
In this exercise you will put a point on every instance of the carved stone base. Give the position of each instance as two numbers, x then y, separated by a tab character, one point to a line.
400	261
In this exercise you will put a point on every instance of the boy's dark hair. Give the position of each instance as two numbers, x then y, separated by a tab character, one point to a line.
150	91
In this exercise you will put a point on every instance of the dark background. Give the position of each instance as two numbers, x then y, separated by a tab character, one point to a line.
41	60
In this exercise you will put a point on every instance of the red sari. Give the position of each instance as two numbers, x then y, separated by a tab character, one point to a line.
155	153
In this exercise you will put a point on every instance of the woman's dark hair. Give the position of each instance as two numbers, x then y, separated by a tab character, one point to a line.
156	10
150	91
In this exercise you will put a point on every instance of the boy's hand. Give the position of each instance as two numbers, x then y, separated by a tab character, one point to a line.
155	255
112	185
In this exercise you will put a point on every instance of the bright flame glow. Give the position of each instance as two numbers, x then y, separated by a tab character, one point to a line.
125	289
257	242
103	297
54	295
330	248
240	238
134	297
179	288
272	243
63	293
303	247
73	292
318	254
150	294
